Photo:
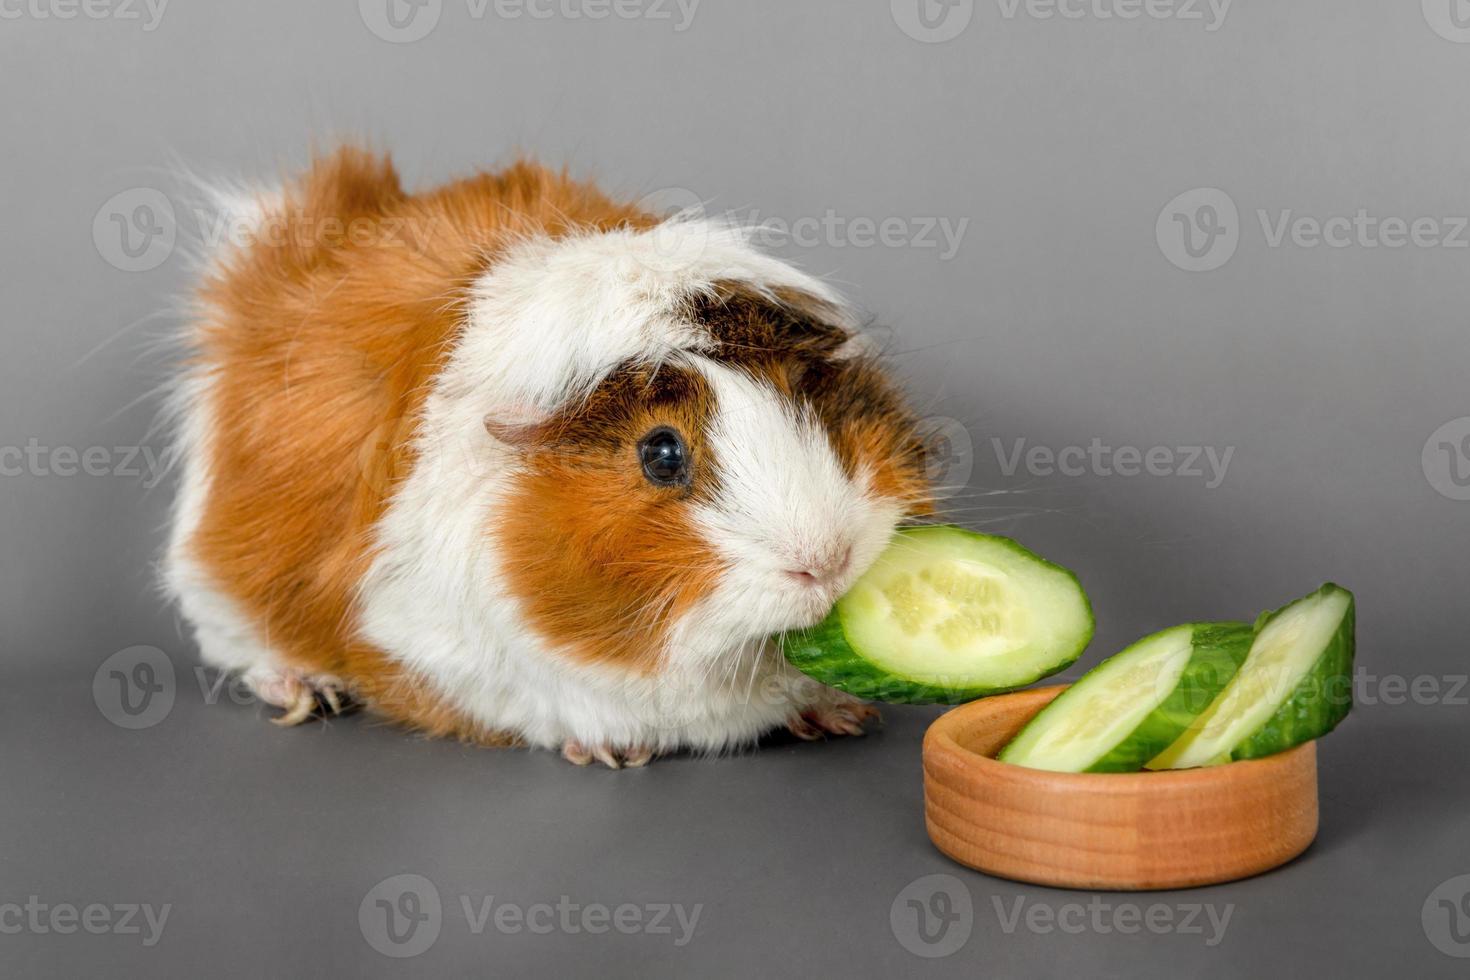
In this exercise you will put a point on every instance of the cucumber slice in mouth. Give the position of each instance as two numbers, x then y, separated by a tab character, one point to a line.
1133	705
1295	686
947	615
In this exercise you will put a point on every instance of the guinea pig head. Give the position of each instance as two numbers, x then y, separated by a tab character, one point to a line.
739	485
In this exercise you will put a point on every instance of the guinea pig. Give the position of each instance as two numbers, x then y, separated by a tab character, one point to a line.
514	462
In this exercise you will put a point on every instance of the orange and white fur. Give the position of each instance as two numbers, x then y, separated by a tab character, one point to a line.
512	462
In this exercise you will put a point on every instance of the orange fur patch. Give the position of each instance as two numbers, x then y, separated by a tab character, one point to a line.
600	558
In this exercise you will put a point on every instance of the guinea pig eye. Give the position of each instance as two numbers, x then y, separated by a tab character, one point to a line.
663	456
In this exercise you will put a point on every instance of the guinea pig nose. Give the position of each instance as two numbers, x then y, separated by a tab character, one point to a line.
821	572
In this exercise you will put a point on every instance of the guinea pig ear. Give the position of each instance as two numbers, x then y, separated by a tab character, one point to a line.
522	428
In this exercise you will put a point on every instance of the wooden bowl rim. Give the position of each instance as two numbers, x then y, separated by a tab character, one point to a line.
940	743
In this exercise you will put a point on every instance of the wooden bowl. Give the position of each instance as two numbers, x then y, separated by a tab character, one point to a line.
1115	831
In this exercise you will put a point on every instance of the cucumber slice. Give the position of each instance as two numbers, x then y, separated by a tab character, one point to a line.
1133	705
1295	685
947	615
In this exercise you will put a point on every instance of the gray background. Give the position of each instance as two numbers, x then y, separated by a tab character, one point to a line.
1059	320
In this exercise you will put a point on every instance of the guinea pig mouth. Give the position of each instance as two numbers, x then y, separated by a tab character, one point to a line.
810	603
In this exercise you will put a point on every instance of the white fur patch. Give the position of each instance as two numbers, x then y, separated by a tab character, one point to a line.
551	318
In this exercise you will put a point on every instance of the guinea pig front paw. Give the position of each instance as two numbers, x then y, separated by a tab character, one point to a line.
634	757
301	696
844	716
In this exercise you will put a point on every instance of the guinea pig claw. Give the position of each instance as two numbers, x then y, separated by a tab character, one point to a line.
576	753
803	729
301	698
581	755
333	700
300	707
